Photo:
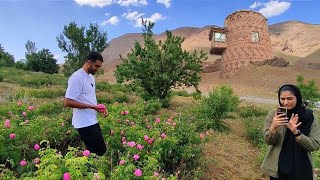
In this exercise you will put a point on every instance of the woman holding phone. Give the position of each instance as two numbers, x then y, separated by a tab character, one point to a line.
291	137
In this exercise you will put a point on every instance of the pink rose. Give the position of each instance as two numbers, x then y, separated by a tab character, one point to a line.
132	144
150	141
174	124
86	153
24	114
102	108
126	112
149	126
123	139
122	112
139	146
19	103
12	136
30	108
163	135
156	174
147	120
137	172
157	120
36	147
146	138
201	135
36	160
136	157
66	176
23	163
121	162
26	121
7	123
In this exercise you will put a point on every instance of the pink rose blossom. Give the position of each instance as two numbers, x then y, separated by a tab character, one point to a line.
119	121
23	163
124	142
127	121
122	112
123	139
156	174
7	123
126	112
150	141
36	160
147	120
163	135
137	172
86	153
19	103
24	114
157	120
146	138
121	162
139	146
30	108
149	126
132	144
102	108
12	136
201	135
66	176
136	157
26	121
36	147
174	124
207	133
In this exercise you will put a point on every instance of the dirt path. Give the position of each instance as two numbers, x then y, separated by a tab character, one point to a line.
231	156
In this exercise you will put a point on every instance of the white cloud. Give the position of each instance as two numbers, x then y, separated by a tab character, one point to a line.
114	20
256	4
165	2
272	8
94	3
106	14
132	15
132	2
154	18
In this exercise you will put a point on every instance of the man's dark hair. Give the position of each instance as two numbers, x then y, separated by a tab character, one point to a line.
94	56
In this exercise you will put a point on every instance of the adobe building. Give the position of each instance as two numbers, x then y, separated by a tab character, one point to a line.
243	40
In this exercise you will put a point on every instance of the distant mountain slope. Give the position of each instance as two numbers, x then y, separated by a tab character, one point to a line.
295	38
310	62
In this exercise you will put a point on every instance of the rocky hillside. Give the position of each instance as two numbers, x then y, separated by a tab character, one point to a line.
295	38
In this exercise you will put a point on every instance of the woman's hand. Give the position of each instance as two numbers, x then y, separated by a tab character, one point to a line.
278	120
293	123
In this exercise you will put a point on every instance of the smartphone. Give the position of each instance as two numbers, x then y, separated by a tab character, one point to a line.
282	110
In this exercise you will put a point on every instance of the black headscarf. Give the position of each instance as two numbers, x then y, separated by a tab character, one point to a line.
294	162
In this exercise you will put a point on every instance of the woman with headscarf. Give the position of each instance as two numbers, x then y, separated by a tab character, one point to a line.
291	138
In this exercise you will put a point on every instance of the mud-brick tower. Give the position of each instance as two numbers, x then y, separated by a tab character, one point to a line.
247	40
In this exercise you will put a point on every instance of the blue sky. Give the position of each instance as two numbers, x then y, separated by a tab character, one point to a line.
42	20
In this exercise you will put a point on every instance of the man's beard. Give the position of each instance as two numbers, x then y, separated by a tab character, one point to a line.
91	71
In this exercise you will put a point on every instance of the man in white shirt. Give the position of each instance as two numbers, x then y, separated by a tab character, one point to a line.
81	96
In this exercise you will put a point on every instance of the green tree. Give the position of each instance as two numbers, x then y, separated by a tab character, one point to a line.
309	91
77	42
159	67
41	61
6	59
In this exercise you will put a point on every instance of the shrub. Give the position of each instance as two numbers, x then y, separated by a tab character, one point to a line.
216	106
251	111
254	130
